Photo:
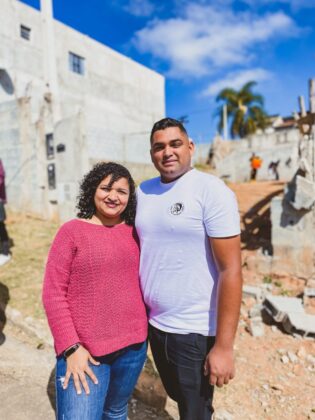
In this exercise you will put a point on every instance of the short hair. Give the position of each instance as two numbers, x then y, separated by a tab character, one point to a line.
167	123
91	181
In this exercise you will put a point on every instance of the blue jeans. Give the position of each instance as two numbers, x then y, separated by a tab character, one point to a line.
179	359
117	375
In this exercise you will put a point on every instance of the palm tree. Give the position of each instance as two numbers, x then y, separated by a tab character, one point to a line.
245	108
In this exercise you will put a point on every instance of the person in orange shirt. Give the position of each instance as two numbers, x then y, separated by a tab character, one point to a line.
255	164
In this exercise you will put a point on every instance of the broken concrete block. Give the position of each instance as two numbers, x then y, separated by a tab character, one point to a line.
284	359
279	306
255	311
293	358
253	291
304	197
309	291
301	323
302	353
256	327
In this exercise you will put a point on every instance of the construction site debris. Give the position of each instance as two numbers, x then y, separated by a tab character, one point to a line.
309	291
256	327
290	313
255	311
254	291
300	323
279	306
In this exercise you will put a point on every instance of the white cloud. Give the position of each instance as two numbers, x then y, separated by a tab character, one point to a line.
140	7
294	4
204	38
236	80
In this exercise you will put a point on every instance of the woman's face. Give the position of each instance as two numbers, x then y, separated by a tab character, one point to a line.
111	201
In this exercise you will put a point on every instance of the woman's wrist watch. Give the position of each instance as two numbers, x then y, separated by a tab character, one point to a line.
71	350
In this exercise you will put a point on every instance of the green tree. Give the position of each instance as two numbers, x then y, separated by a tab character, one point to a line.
245	110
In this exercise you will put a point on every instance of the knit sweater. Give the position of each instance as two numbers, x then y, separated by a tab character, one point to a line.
91	290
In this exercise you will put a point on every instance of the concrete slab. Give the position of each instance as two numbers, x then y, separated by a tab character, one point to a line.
279	306
299	322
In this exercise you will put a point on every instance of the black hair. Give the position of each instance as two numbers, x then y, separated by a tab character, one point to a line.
167	123
92	180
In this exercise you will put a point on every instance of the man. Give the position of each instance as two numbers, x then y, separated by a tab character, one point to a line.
190	270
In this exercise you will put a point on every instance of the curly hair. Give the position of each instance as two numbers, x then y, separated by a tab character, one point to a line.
91	181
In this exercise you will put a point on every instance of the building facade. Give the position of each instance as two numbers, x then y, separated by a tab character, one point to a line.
66	102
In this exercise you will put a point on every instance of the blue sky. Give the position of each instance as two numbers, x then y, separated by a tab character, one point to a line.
203	46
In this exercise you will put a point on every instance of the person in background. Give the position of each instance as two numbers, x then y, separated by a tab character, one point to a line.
4	237
273	170
93	300
255	164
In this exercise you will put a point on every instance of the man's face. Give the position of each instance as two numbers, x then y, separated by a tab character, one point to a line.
171	153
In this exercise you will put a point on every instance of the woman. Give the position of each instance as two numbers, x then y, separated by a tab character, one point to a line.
4	238
93	300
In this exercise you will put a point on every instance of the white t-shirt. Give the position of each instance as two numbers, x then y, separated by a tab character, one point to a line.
177	271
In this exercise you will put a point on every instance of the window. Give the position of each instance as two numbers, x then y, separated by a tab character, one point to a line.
25	32
51	176
50	152
76	63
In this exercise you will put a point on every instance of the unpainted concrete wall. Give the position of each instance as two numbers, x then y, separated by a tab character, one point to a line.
234	161
292	240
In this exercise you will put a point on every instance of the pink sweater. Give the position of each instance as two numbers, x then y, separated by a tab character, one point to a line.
91	288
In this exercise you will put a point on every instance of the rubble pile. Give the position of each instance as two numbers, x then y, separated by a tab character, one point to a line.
286	312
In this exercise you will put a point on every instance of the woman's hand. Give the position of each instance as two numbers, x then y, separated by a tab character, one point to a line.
78	366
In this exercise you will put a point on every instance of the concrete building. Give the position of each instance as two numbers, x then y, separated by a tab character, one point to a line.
66	102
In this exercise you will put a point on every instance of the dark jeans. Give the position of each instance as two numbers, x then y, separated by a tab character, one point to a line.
117	375
179	359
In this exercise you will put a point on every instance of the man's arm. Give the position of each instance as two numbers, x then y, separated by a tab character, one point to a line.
219	363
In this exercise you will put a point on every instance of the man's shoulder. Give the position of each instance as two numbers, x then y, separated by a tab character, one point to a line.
148	185
206	180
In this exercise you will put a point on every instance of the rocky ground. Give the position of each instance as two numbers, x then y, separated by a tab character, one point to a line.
275	372
27	381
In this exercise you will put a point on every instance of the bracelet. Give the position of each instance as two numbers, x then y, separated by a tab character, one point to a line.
71	350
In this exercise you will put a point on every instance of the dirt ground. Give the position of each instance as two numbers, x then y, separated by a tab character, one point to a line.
275	373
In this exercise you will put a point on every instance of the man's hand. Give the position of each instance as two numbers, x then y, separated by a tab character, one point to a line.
219	365
78	366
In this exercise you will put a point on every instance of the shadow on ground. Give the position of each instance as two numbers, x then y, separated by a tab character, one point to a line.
257	225
4	300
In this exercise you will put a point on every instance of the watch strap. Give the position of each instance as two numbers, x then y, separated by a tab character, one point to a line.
71	350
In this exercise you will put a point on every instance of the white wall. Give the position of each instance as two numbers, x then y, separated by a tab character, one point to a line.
118	99
235	165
